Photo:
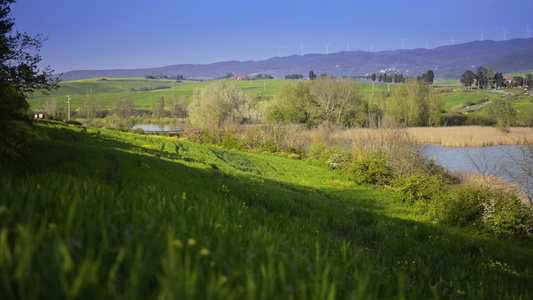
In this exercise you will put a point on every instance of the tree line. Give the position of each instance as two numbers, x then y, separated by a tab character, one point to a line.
322	101
427	77
488	79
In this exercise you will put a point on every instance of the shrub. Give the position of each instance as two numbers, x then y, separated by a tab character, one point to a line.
373	169
73	122
334	157
418	188
461	205
504	215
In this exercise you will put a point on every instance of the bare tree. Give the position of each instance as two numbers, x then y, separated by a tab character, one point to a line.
519	167
51	108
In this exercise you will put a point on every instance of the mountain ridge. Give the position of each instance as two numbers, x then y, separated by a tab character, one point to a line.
448	62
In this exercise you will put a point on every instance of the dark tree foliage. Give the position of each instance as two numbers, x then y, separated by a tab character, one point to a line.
294	76
528	80
427	77
467	79
499	80
19	74
312	75
481	78
373	76
19	56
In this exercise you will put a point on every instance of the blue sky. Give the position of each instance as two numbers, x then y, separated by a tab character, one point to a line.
116	34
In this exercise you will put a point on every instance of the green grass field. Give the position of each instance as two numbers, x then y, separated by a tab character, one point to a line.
459	98
106	93
100	214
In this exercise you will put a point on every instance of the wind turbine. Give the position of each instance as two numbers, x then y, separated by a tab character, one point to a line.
505	32
302	47
279	50
403	43
528	31
327	48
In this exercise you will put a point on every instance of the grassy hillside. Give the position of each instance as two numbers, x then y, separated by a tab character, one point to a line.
107	92
102	214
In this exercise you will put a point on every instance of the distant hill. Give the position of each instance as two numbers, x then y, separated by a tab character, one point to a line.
447	62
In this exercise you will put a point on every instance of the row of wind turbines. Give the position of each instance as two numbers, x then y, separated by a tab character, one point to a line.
504	34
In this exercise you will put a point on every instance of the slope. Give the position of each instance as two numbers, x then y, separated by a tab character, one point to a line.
102	214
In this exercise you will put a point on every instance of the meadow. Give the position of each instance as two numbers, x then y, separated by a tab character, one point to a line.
105	93
92	213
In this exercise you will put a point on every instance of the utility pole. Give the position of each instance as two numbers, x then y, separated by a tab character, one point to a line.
68	102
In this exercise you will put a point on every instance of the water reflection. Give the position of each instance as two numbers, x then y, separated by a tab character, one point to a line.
159	127
512	163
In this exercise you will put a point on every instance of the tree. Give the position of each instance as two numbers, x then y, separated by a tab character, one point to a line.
467	79
123	108
312	75
19	56
87	110
159	110
335	101
52	109
219	103
528	81
323	101
519	80
499	81
429	76
19	74
416	104
501	110
373	77
481	78
490	77
292	104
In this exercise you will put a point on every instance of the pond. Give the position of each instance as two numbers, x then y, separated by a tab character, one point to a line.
159	127
512	163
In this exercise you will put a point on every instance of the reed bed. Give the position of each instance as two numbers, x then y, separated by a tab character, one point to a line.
467	136
471	136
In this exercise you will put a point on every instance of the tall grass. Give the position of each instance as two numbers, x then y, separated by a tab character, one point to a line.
103	214
470	136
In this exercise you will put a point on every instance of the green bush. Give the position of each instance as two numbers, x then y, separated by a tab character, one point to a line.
372	169
462	205
418	188
334	157
16	138
504	215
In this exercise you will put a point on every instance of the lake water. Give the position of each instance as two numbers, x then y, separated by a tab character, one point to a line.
486	160
159	127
